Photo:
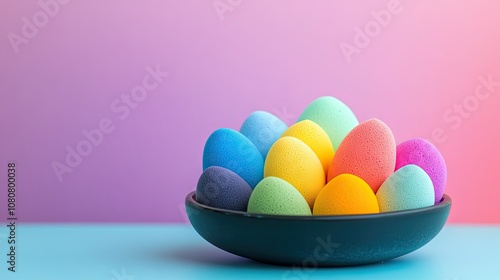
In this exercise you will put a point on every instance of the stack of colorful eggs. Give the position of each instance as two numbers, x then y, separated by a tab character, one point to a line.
325	164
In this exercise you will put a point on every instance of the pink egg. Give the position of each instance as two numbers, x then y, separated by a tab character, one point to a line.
368	151
425	155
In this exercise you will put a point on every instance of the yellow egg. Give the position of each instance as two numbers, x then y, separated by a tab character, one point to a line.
346	194
316	138
293	161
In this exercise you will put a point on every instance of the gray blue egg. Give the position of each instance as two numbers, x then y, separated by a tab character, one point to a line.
222	188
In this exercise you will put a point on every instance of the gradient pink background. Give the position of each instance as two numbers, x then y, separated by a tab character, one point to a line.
264	55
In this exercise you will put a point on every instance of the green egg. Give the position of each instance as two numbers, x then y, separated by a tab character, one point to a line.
275	196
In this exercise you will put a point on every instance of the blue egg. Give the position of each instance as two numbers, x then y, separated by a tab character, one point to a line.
232	150
408	188
263	129
222	188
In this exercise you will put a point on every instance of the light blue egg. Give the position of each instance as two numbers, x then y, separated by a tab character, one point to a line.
232	150
408	188
263	129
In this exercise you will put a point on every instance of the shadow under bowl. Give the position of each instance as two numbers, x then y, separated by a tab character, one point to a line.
344	240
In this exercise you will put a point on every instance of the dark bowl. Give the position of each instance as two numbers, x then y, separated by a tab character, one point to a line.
345	240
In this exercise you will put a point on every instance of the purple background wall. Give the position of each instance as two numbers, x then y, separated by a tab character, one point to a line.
256	55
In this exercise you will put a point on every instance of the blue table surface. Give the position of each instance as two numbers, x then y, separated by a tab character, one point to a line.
144	251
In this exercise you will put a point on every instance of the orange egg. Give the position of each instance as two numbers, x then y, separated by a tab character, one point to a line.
346	194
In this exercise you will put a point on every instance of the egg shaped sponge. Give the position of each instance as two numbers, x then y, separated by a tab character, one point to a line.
275	196
346	194
293	161
421	152
232	150
368	151
263	129
316	138
333	116
222	188
407	188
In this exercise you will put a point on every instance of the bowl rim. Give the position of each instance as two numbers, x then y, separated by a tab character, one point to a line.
190	200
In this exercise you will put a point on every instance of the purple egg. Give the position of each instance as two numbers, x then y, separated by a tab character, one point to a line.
422	153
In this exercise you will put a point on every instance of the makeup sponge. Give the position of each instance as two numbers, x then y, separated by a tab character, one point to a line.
368	151
277	197
346	194
232	150
408	188
222	188
263	129
293	161
422	153
316	138
333	116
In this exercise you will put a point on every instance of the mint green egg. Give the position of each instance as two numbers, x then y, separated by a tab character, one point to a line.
408	188
331	114
275	196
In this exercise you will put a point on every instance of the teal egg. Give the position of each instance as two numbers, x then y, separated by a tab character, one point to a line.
331	114
408	188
